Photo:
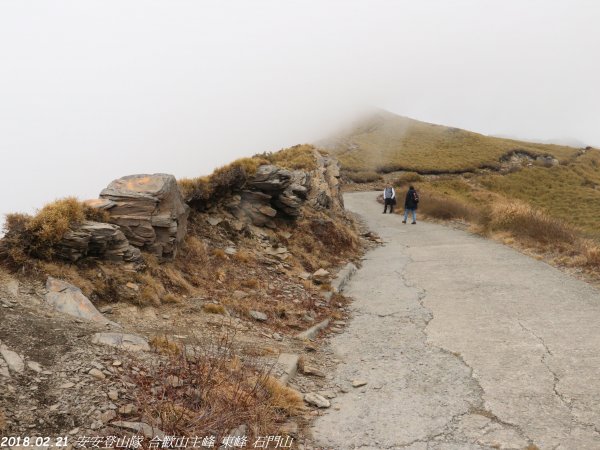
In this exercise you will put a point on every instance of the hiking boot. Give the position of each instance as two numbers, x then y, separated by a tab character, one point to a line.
413	223
404	221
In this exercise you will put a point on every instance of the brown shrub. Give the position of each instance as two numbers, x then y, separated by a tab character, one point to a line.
523	220
298	157
409	177
209	391
590	251
334	234
213	308
162	344
363	176
170	298
446	208
203	191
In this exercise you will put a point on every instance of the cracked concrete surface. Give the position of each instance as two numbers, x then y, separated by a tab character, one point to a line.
466	344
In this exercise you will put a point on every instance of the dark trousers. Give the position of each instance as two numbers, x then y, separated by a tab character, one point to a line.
388	202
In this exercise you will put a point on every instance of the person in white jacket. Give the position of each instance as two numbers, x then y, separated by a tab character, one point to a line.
389	199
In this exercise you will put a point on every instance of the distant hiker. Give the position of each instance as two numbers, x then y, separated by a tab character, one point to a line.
410	204
389	199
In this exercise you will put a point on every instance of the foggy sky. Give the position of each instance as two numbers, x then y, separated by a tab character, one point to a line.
93	90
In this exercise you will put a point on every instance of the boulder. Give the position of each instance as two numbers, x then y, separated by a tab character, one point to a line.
325	189
13	360
97	239
150	211
69	299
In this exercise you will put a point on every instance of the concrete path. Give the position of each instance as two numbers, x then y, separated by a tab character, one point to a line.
465	344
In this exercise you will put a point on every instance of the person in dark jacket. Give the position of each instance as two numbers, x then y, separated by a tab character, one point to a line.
410	204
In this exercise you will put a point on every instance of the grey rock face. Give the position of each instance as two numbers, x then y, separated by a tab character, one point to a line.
103	240
150	211
69	299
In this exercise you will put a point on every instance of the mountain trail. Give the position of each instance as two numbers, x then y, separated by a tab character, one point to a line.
464	344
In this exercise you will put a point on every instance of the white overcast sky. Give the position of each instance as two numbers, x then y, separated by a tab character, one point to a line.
93	90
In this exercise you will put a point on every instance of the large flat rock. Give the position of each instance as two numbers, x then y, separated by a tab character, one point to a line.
69	299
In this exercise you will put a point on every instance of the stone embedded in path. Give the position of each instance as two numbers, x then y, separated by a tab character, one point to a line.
317	400
69	299
129	342
359	383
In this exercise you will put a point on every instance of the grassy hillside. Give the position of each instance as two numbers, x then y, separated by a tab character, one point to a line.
385	142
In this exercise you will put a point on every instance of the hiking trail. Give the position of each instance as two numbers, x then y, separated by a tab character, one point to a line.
464	344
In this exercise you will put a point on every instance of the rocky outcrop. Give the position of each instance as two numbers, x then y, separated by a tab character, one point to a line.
325	190
150	211
277	192
97	239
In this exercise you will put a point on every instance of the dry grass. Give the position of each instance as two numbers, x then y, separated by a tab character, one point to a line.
36	236
363	176
387	143
170	298
202	192
213	308
3	424
513	222
523	221
210	392
298	157
570	192
446	208
162	344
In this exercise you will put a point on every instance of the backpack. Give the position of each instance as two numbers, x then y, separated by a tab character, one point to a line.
415	197
388	192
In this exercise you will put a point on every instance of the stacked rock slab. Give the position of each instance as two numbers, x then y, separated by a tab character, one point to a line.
150	211
274	191
97	239
325	191
277	192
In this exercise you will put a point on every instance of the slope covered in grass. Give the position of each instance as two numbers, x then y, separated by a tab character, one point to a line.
385	142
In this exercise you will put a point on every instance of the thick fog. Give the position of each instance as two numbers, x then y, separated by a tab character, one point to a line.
93	90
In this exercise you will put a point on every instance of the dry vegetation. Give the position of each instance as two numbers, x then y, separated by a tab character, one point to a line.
35	236
512	221
387	143
204	192
209	391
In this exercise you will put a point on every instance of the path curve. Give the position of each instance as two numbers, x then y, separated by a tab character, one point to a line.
465	344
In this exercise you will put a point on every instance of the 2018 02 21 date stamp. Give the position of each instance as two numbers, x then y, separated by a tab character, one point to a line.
18	441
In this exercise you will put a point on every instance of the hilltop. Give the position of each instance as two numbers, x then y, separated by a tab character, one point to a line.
384	142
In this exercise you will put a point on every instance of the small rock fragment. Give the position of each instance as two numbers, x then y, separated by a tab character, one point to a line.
257	315
97	374
359	383
317	400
